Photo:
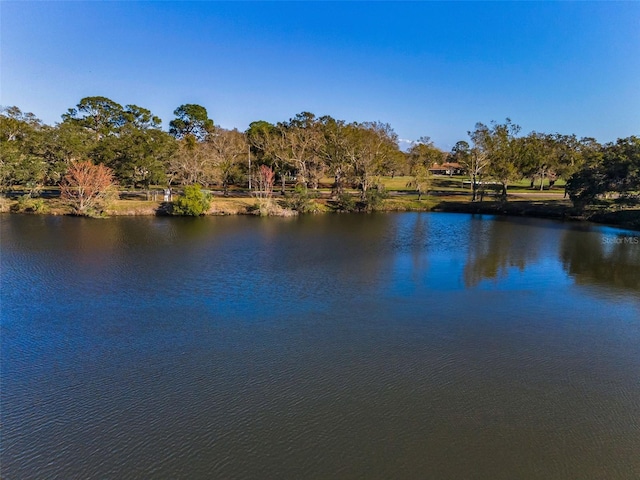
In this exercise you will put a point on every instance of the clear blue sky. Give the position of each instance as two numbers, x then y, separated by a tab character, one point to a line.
426	68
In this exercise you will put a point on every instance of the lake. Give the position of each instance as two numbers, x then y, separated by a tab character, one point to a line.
409	345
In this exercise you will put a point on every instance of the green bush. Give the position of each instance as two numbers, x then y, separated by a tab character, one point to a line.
27	204
373	199
301	200
194	202
345	203
585	186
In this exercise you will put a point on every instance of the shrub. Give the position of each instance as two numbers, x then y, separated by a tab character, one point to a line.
345	203
301	200
266	207
5	204
38	205
585	186
373	199
194	202
27	204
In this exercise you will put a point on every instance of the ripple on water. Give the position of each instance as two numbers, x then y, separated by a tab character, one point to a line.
345	346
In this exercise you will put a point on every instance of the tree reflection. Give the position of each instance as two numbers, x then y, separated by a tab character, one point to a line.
592	259
419	236
498	245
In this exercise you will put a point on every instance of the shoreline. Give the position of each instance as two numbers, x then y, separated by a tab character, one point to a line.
553	209
627	219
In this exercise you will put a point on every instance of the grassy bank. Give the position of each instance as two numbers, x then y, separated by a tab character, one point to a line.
448	194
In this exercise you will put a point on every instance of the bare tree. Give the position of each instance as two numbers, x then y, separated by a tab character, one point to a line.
333	152
87	187
228	150
191	163
264	181
303	138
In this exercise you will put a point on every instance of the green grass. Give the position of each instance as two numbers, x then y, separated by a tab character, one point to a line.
525	185
456	183
408	203
398	183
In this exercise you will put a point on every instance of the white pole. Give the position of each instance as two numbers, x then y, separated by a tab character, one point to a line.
249	167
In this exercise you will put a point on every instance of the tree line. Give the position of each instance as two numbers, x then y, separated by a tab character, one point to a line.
130	142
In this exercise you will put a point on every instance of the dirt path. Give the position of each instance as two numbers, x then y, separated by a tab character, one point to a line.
537	194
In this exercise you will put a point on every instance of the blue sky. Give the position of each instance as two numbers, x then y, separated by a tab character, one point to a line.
427	68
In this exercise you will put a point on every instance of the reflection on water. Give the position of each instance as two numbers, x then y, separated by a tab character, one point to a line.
605	260
497	246
337	346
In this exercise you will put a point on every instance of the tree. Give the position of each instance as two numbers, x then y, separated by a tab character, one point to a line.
461	154
191	121
370	145
194	202
61	144
585	186
140	118
614	169
621	165
570	155
269	146
333	152
129	140
139	150
477	160
100	115
539	157
264	182
21	136
87	187
301	136
424	152
229	149
191	163
140	157
503	151
422	155
421	180
15	124
259	135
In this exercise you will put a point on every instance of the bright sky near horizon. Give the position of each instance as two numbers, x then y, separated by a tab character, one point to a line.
427	68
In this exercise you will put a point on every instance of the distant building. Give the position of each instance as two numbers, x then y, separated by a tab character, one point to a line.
447	169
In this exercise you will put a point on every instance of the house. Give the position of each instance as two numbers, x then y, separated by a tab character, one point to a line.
447	168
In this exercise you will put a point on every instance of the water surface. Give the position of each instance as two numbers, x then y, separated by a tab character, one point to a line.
338	346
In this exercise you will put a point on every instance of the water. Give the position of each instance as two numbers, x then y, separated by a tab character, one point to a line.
337	346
